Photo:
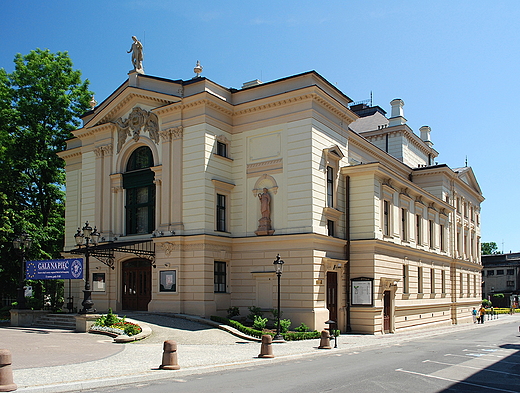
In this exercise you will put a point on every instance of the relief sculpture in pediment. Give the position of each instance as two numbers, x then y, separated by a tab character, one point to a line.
138	120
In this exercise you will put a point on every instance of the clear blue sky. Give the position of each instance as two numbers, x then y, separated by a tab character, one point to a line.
454	63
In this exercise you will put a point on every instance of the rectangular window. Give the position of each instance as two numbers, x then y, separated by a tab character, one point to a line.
98	282
330	187
405	278
468	290
461	282
443	281
221	213
490	272
510	272
221	149
220	277
419	280
404	224
418	229
510	283
432	280
330	228
443	240
168	281
432	233
500	272
386	218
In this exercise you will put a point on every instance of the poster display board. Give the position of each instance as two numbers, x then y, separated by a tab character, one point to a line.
362	293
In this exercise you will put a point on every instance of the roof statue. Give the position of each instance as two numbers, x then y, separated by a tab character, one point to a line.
137	56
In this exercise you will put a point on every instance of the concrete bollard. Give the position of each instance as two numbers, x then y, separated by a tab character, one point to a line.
6	372
169	357
325	340
266	350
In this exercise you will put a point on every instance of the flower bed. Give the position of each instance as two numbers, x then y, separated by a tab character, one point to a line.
112	325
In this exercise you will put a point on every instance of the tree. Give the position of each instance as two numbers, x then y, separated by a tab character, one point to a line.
489	248
40	104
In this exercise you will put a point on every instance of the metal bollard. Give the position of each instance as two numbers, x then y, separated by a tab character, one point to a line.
6	372
325	340
266	350
169	358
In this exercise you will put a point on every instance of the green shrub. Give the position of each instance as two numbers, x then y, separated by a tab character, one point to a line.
285	324
131	329
254	311
233	312
486	303
111	319
302	328
259	323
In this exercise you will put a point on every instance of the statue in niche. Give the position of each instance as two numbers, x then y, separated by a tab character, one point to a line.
137	55
264	224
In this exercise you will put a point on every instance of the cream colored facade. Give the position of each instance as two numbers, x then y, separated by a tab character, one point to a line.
348	193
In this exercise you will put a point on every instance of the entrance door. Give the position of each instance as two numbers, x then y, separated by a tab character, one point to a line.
332	297
137	283
386	311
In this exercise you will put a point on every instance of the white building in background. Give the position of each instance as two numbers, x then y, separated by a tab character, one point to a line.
195	188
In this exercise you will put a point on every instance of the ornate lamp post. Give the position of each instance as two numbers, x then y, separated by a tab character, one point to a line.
86	237
22	243
278	265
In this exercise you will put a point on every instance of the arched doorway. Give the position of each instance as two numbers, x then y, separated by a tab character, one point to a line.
137	284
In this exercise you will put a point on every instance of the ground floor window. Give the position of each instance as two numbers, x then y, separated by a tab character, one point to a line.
220	277
98	282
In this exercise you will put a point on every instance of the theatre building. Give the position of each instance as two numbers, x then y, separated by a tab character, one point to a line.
195	189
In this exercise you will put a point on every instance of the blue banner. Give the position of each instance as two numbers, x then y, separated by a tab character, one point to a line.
55	269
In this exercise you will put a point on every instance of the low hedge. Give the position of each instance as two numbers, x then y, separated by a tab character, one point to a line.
289	336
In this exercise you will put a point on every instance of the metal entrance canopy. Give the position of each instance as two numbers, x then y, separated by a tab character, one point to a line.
105	253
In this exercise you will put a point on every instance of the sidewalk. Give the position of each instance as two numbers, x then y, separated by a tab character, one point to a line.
46	360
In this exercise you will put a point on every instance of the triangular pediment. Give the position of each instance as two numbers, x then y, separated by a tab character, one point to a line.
120	104
467	176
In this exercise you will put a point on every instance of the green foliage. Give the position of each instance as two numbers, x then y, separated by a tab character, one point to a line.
40	104
285	324
489	248
259	322
254	311
289	336
233	312
274	311
111	318
131	329
498	295
302	328
486	303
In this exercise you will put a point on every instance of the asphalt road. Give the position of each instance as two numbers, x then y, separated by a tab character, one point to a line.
486	359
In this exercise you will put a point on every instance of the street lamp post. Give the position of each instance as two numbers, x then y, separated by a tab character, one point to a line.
22	243
86	237
278	265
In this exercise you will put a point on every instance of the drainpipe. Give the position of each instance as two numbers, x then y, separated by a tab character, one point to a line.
347	250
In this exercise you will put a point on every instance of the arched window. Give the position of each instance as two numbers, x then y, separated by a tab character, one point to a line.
140	192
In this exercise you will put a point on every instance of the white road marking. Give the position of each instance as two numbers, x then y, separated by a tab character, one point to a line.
473	368
455	380
480	358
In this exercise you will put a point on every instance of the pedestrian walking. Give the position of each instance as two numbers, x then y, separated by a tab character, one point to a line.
482	313
474	314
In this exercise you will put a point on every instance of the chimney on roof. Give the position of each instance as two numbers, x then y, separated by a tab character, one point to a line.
252	83
397	113
425	135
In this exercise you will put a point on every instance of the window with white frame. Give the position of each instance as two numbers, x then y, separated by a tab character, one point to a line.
330	186
404	224
432	280
405	279
418	229
419	279
386	217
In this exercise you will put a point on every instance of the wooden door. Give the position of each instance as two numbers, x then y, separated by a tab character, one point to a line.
386	311
332	297
137	282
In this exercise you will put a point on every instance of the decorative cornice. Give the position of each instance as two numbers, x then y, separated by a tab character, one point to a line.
169	247
105	150
172	133
265	166
110	115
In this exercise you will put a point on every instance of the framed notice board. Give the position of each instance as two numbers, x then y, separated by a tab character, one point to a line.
362	291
